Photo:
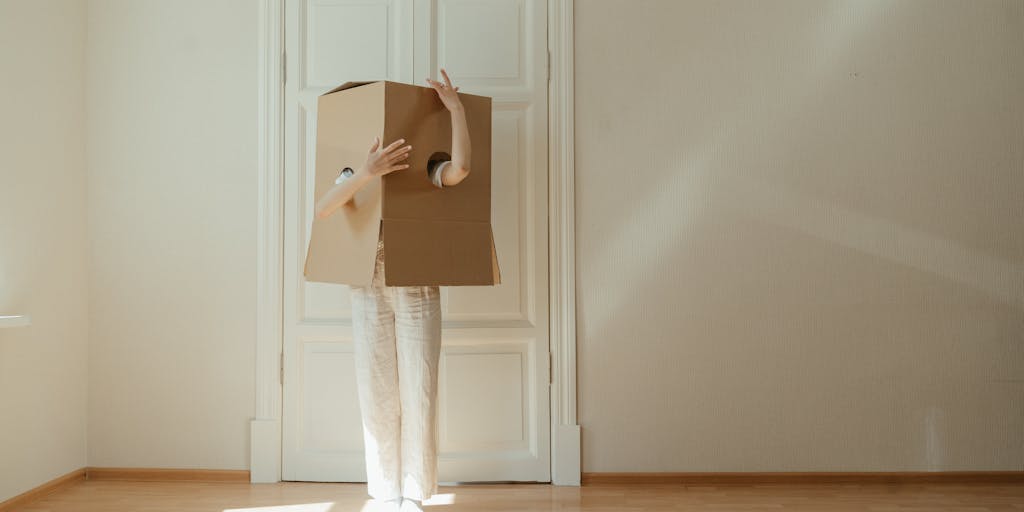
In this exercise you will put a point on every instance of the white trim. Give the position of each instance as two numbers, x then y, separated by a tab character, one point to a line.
265	431
265	428
565	432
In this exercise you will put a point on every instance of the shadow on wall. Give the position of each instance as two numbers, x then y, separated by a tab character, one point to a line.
691	191
889	347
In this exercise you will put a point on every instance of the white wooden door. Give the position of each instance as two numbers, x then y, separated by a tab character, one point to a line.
494	372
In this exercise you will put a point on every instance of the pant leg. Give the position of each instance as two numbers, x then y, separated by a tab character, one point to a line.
376	366
418	332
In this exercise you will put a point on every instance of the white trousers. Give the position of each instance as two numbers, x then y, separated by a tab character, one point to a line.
397	331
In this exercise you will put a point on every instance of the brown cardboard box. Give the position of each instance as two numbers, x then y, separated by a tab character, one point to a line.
431	236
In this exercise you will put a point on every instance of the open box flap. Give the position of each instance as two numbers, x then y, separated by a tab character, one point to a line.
348	85
431	252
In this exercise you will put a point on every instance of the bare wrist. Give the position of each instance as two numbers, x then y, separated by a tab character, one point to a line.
362	174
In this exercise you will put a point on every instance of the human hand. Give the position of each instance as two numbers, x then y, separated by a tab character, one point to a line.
382	161
449	95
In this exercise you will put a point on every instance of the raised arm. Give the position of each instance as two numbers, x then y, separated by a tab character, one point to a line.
459	168
379	162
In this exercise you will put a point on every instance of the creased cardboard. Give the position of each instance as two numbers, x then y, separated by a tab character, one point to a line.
431	236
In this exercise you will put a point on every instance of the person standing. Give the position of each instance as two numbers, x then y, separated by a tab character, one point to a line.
397	334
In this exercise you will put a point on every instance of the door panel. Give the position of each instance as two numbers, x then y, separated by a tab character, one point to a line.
493	380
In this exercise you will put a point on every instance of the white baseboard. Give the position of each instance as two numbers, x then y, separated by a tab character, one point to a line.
566	468
264	458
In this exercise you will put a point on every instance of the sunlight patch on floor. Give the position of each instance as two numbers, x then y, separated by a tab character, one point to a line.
302	507
447	498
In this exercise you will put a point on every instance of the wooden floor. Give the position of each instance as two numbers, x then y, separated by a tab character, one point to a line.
121	496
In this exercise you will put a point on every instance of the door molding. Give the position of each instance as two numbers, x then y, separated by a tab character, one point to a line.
565	431
265	427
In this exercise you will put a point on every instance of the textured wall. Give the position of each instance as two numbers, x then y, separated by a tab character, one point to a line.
801	235
43	243
171	97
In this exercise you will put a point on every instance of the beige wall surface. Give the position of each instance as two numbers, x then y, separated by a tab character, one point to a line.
43	243
171	97
801	235
799	228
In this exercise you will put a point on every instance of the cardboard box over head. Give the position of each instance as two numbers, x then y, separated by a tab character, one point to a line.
431	236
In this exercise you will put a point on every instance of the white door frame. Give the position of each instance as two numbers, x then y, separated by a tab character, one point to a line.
265	428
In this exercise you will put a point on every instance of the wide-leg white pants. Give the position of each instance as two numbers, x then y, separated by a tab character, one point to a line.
397	332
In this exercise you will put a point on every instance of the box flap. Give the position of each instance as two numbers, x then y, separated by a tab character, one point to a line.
343	246
427	253
348	85
494	259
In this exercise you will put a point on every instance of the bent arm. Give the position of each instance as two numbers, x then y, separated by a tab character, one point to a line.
342	192
379	162
458	170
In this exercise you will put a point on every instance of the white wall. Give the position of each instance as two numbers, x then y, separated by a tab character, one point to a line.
171	97
43	244
819	243
800	235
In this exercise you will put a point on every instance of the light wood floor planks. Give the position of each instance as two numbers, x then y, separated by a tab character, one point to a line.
124	496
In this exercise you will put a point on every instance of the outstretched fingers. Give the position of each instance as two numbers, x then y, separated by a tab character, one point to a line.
391	147
436	85
400	154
